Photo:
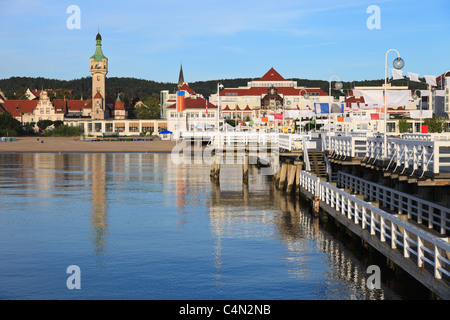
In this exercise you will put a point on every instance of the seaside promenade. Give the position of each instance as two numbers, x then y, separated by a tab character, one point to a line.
75	144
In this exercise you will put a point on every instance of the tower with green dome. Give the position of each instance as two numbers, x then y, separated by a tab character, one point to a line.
99	69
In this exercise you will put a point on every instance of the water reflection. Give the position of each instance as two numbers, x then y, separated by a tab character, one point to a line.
98	216
311	252
145	209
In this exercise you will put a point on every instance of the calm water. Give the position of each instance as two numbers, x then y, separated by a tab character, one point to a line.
140	227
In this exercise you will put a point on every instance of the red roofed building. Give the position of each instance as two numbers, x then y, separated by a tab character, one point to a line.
199	115
268	95
168	98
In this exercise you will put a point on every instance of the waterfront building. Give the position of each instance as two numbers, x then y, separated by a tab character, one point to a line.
440	96
266	102
168	98
198	115
100	106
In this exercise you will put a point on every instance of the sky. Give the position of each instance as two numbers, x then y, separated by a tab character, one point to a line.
318	40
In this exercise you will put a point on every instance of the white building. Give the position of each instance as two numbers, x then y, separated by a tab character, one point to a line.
253	94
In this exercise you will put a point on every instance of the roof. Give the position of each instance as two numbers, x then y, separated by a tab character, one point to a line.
60	105
259	91
442	76
98	95
181	77
98	54
119	105
186	87
17	107
272	75
78	105
194	103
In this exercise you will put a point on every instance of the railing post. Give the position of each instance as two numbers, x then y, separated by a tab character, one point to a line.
419	251
437	263
372	222
405	243
393	237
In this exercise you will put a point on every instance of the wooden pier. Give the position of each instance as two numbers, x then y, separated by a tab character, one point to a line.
388	212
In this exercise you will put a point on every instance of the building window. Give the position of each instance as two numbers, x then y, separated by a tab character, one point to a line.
390	127
42	111
47	110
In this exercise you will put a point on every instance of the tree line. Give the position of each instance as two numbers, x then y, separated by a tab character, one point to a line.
132	90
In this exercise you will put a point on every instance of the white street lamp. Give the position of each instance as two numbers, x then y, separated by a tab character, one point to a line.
398	64
219	86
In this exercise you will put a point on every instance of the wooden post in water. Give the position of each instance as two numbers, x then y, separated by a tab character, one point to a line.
316	206
291	177
283	173
245	167
217	168
298	165
213	167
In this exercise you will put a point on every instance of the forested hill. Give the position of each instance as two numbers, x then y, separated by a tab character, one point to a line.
139	88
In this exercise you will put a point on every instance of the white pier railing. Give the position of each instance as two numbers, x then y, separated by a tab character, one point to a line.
412	153
348	146
422	211
423	248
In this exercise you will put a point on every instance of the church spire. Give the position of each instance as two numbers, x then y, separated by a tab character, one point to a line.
181	77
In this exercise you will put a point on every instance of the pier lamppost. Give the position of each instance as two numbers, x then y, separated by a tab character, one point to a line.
338	86
305	96
219	86
398	64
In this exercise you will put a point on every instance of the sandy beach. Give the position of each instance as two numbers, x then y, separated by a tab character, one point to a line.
74	144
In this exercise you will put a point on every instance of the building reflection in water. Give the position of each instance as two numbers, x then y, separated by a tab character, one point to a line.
232	213
98	217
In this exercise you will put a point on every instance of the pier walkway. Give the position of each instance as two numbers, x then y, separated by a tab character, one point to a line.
408	230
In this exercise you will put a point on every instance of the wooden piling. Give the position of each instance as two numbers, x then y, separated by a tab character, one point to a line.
298	168
283	173
316	206
291	177
217	168
245	167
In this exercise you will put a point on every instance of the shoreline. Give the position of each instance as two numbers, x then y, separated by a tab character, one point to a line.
76	145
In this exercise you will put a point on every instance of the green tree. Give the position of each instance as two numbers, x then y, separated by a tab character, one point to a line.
9	126
403	126
43	124
435	124
149	108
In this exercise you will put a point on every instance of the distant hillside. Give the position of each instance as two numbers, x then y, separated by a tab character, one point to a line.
138	88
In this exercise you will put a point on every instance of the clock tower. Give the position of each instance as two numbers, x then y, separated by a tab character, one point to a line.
99	69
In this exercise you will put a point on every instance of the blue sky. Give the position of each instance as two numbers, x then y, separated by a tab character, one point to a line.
224	39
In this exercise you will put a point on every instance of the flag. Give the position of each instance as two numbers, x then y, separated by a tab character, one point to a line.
397	74
431	80
413	76
206	106
180	101
374	116
278	116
